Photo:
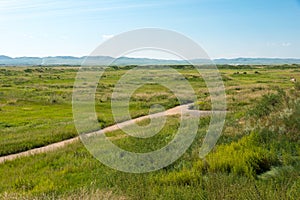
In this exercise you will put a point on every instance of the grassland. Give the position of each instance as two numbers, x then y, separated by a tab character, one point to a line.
257	156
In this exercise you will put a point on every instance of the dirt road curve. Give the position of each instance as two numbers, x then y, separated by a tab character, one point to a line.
57	145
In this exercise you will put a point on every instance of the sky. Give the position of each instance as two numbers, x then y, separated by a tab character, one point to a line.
223	28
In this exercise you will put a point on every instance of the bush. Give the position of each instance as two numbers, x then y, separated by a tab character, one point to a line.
266	105
244	157
183	177
28	70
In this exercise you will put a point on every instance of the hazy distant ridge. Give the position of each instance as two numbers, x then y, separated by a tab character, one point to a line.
99	60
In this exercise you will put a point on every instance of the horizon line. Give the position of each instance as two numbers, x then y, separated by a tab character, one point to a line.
217	58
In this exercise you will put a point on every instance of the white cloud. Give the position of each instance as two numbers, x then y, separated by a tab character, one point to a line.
106	37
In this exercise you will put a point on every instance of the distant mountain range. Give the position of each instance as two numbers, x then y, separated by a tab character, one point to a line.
100	60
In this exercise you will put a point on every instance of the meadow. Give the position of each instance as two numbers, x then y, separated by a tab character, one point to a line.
257	156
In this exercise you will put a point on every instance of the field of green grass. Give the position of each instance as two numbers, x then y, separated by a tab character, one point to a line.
257	156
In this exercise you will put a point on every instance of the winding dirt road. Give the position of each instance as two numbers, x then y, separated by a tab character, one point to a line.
183	109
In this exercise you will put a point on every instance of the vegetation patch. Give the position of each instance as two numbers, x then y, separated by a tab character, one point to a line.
244	157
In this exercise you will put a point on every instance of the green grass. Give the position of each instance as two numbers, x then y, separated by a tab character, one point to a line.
257	156
36	107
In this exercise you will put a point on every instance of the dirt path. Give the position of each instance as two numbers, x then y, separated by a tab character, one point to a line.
51	147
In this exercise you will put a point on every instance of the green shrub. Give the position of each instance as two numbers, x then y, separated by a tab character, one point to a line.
201	105
28	70
183	177
244	157
266	105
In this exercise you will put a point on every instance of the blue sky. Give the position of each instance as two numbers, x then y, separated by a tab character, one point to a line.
224	28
